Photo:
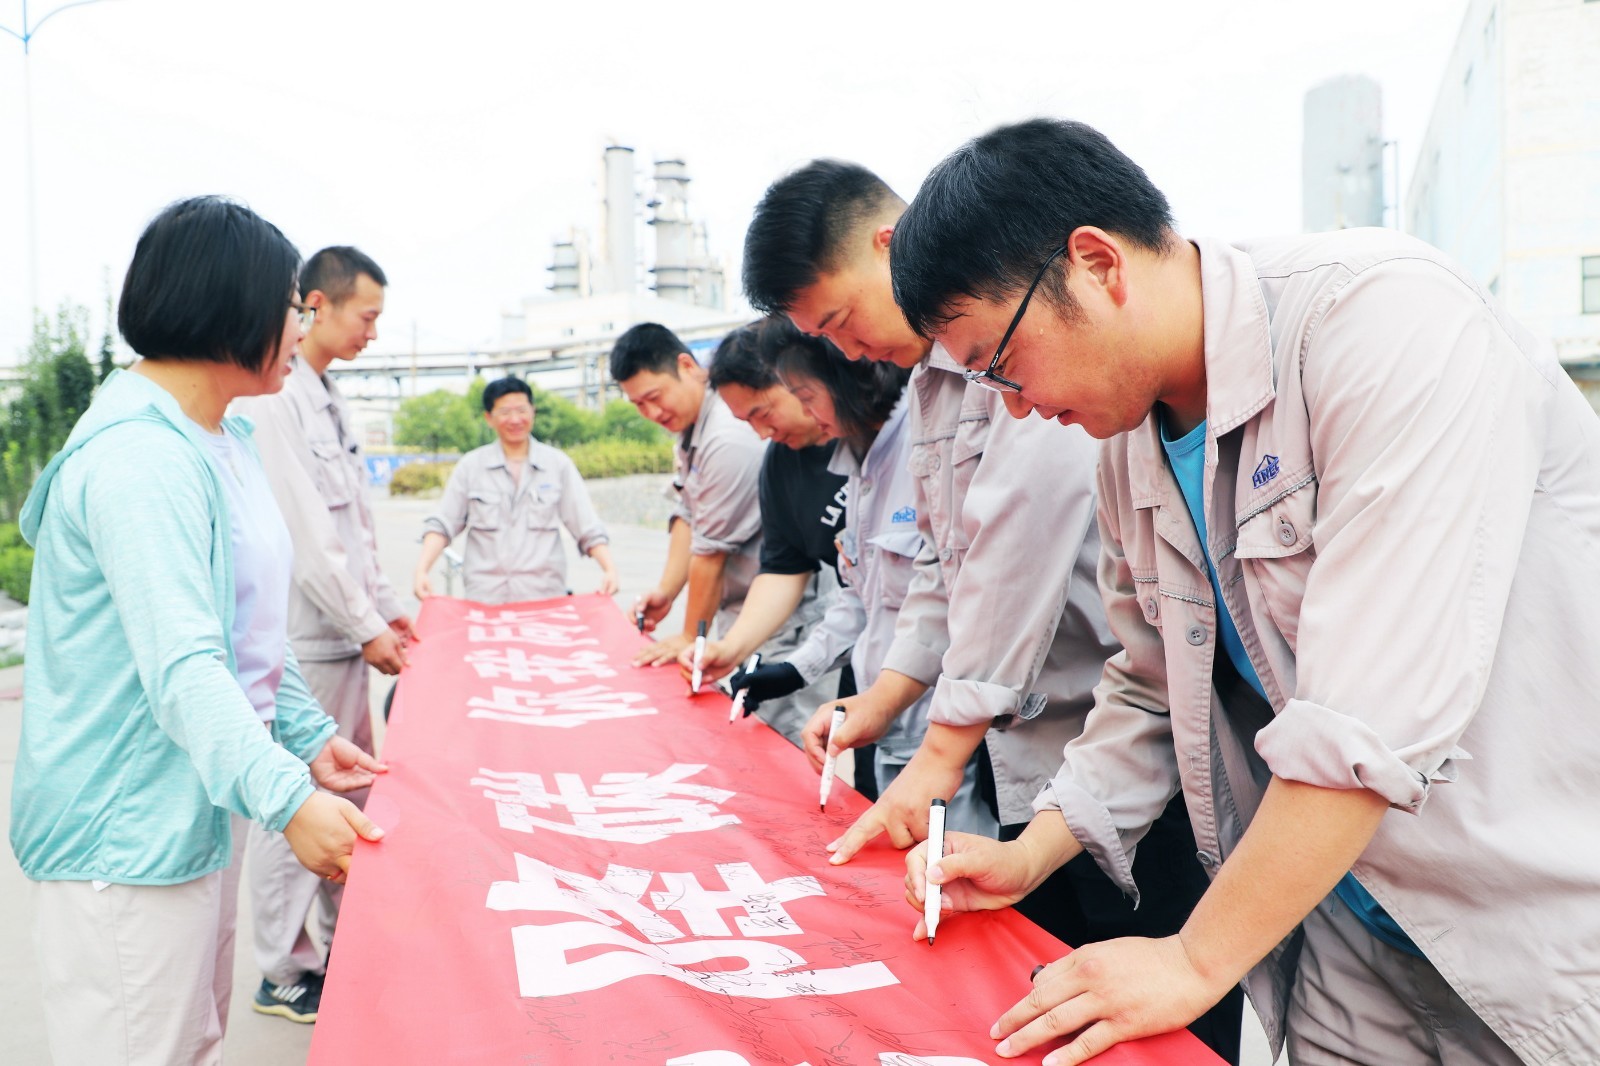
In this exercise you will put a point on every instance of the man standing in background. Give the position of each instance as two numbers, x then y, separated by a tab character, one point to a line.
344	615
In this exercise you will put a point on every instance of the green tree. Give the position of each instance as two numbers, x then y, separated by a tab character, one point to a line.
622	421
438	421
108	362
562	423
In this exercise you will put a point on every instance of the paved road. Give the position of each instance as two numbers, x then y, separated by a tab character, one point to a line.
253	1039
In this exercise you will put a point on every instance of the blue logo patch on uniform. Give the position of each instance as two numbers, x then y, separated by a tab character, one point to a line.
1266	470
905	514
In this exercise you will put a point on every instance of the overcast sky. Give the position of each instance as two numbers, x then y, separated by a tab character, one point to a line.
452	142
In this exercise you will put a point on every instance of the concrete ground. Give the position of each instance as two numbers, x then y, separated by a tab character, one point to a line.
254	1039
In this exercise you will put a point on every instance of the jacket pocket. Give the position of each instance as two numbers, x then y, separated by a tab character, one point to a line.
331	473
1276	549
897	556
483	510
544	504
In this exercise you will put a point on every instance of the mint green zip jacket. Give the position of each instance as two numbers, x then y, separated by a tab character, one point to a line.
137	740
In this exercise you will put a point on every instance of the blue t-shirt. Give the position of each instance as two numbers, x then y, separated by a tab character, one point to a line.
1187	456
262	557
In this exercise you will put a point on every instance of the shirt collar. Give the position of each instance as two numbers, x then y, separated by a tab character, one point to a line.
1240	376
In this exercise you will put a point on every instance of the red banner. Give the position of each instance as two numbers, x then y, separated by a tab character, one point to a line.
583	864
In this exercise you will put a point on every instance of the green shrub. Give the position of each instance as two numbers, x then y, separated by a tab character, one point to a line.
615	458
11	536
416	478
16	571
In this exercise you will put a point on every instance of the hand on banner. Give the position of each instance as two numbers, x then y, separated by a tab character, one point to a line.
608	582
769	681
663	651
1107	993
342	767
323	833
902	809
720	660
654	605
404	630
865	721
977	873
386	651
421	585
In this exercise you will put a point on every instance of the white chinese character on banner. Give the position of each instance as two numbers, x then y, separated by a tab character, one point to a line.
545	953
555	627
629	808
514	664
563	710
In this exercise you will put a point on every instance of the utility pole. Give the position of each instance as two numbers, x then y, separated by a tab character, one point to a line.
29	31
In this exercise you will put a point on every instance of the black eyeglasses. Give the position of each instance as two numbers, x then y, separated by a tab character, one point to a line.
988	378
306	315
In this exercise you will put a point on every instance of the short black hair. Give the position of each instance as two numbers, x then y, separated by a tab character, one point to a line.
990	214
739	360
864	392
505	386
802	226
647	346
210	281
333	272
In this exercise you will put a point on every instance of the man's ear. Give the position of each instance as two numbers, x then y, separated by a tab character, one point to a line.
881	235
1101	258
317	298
687	365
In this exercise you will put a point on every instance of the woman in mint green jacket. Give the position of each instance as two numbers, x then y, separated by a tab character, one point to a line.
147	685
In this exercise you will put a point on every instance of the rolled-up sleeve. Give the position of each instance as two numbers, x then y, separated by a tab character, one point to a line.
1017	572
1423	418
451	516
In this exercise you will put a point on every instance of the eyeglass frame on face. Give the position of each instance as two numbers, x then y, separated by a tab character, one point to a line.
989	379
307	315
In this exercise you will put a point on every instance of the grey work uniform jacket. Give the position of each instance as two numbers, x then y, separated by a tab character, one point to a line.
1003	615
340	598
1402	495
513	550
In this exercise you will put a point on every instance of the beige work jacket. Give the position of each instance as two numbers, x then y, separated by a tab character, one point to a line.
340	598
1003	616
1403	502
513	550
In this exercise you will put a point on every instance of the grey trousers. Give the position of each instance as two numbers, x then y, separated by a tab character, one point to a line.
284	894
1359	1002
138	975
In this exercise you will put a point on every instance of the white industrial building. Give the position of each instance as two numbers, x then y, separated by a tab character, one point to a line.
1508	177
1341	158
598	292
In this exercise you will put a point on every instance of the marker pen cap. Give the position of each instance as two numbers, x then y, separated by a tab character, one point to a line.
700	628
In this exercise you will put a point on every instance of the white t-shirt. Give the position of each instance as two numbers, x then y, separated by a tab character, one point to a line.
262	558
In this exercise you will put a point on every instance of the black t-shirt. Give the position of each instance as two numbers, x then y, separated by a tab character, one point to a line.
802	509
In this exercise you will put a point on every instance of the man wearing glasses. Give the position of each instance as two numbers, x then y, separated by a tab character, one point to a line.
1351	518
344	615
1004	618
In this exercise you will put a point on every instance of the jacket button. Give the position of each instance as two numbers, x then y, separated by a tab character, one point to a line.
1196	636
944	554
1150	607
1285	531
935	463
1207	859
